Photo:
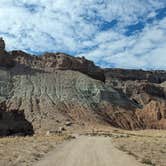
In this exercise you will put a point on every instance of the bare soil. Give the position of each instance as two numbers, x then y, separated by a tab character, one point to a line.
88	151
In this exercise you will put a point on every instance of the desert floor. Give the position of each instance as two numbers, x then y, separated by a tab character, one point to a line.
98	147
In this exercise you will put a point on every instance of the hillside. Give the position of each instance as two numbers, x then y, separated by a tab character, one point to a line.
55	90
147	89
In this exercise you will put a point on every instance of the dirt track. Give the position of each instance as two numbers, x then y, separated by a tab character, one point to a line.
88	151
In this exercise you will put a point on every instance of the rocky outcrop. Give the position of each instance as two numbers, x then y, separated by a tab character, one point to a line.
145	88
13	122
2	44
5	58
50	62
153	114
154	76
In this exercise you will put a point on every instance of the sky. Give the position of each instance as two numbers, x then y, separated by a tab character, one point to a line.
112	33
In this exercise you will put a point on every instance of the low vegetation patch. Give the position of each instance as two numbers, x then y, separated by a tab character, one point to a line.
147	162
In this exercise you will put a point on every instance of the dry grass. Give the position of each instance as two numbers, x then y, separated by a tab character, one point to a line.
148	146
23	151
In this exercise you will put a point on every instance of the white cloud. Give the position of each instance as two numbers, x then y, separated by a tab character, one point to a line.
146	50
73	27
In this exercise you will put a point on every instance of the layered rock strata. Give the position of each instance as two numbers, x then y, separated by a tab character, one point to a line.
41	93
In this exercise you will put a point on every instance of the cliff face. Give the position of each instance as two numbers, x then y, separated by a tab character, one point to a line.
45	92
156	76
50	99
50	62
147	89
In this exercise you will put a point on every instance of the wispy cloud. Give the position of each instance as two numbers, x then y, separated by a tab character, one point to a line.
113	33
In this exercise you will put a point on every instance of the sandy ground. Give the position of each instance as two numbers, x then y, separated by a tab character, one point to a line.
88	151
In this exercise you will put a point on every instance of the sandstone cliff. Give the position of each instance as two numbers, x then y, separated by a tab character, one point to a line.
147	89
50	62
41	93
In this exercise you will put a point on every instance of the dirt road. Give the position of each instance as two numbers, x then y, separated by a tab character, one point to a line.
88	151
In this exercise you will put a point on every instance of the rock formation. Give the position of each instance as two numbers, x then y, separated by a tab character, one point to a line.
13	122
145	88
2	44
5	58
154	76
54	88
50	62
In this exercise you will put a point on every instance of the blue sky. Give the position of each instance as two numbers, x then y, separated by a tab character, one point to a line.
112	33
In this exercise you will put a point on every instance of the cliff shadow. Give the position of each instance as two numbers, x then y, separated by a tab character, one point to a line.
14	123
21	69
